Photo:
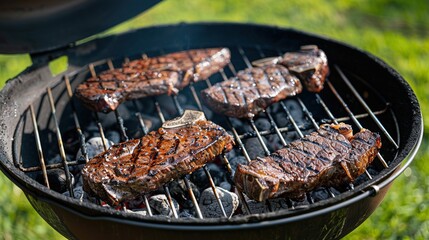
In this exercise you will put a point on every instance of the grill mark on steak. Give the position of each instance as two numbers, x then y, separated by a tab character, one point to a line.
251	91
165	74
132	168
320	159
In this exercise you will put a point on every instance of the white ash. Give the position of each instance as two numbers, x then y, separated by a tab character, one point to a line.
160	204
139	211
210	207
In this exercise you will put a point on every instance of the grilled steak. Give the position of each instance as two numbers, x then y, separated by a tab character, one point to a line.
251	91
310	65
331	156
150	77
129	169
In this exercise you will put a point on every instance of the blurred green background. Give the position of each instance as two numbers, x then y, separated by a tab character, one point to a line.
397	31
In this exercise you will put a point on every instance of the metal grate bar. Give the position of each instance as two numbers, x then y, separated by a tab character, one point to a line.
365	105
60	143
343	103
170	201
82	140
39	146
188	186
276	128
122	128
228	120
194	200
272	122
291	119
166	189
225	159
146	202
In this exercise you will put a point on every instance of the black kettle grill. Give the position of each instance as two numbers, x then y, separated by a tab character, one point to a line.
40	113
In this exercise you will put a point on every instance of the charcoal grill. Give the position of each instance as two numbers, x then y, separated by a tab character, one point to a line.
40	112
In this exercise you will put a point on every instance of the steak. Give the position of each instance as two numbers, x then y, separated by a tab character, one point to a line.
328	157
310	65
129	169
251	91
165	74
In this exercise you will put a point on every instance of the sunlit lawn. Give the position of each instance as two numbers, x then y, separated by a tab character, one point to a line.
396	31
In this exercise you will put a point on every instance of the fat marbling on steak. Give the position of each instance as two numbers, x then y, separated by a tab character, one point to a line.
251	91
129	169
330	156
165	74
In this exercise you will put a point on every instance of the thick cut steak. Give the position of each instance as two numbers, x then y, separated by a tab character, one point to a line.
310	65
165	74
330	156
251	91
129	169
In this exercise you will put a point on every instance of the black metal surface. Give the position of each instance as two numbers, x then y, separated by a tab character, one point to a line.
36	26
385	90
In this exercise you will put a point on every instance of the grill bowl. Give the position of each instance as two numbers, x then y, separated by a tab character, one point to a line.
383	88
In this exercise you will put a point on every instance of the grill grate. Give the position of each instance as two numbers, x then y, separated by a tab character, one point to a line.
240	59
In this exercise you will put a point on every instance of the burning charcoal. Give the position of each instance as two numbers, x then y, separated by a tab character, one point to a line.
363	178
136	203
113	136
320	194
58	159
144	105
185	213
262	124
160	204
80	194
254	148
57	179
241	126
71	140
179	192
281	119
278	204
167	106
200	178
109	120
296	111
210	207
134	128
274	142
91	130
94	146
255	206
208	112
235	161
183	100
138	211
335	191
231	154
225	185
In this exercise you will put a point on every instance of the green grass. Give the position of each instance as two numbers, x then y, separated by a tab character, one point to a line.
396	31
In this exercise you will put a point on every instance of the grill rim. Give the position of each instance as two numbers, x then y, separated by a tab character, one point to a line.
27	183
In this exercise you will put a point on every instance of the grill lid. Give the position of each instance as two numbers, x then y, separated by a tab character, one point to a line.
38	26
